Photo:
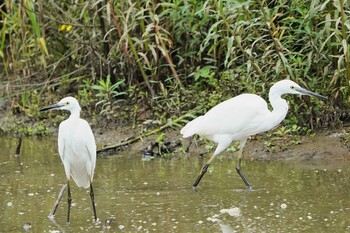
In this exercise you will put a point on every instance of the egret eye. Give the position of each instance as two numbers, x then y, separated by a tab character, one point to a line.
66	103
292	87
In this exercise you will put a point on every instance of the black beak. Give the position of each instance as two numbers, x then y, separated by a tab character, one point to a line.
307	92
50	107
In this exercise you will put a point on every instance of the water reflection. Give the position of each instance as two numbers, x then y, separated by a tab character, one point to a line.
156	196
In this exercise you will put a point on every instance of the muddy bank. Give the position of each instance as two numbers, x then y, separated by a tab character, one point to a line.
326	145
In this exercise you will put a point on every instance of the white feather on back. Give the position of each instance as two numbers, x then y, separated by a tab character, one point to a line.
239	117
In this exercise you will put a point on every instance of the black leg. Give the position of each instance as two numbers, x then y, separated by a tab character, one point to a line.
203	171
239	171
93	201
69	202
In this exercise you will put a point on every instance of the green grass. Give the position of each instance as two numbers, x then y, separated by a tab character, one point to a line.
174	56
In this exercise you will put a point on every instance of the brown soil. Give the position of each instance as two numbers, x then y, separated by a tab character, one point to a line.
326	145
330	146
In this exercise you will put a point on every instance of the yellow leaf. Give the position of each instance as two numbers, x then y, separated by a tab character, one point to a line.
42	44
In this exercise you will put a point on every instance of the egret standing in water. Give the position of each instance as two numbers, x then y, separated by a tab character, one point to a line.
77	149
239	118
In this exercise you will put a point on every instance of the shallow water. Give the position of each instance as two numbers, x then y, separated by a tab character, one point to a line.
156	195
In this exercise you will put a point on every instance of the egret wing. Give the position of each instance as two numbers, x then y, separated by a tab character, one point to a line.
242	115
61	140
85	147
89	145
77	149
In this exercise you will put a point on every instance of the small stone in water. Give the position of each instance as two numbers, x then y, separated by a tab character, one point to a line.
283	206
213	219
27	226
9	204
121	227
233	211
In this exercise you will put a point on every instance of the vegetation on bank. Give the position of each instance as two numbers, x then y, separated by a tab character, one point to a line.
134	62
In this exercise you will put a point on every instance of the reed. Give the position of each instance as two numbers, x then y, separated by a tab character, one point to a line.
167	52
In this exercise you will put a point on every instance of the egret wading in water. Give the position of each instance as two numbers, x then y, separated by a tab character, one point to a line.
239	118
77	149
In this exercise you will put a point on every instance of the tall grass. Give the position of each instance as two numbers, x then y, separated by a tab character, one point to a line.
168	49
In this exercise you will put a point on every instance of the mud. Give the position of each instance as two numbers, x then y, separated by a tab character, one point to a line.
325	145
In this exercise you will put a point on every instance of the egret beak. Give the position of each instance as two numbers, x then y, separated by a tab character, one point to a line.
51	107
310	93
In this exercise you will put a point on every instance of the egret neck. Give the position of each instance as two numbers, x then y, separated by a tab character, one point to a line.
75	113
279	108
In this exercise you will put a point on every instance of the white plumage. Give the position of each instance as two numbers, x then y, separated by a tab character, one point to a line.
77	149
240	117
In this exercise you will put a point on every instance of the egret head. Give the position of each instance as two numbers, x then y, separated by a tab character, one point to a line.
289	87
67	103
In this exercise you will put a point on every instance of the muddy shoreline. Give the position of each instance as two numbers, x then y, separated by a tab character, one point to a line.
325	145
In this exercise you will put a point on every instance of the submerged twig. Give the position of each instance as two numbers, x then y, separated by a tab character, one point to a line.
54	208
19	145
170	123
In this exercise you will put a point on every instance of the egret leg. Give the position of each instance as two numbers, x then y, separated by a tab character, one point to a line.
69	202
60	195
201	174
240	173
221	146
204	170
238	165
93	201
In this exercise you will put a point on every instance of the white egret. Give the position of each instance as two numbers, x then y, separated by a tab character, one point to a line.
77	149
239	118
